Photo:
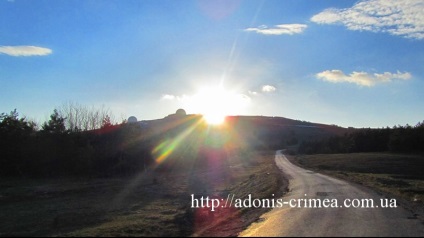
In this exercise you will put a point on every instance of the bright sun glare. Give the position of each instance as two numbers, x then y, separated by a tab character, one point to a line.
215	103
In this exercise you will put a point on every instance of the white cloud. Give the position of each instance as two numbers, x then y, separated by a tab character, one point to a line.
168	97
283	29
24	50
253	93
268	88
397	17
361	78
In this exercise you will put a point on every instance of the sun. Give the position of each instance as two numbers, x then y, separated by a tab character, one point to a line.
215	103
214	118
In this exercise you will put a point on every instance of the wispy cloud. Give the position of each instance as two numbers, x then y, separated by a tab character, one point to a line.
283	29
397	17
268	88
24	50
361	78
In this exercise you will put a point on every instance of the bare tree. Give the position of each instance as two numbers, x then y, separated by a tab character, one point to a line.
82	118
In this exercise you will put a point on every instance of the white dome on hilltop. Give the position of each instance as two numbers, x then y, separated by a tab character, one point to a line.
132	119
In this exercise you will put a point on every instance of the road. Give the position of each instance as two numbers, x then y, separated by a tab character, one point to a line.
288	221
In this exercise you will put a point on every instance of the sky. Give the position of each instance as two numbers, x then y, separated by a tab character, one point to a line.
348	63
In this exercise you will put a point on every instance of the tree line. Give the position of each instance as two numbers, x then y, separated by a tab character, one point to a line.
399	139
85	144
73	143
84	141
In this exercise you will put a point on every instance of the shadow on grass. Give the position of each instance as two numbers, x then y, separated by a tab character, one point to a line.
150	204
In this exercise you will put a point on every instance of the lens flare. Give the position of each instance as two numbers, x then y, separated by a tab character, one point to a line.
167	147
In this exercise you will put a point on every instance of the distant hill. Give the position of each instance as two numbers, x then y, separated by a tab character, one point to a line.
275	132
257	131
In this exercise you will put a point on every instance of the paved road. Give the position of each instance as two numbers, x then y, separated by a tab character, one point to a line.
287	221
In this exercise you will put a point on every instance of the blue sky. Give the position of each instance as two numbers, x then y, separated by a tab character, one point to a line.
350	63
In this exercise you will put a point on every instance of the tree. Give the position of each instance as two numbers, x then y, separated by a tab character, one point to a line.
106	123
15	137
56	124
12	124
82	118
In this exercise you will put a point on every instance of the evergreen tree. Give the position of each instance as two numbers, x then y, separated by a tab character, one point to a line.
15	138
56	124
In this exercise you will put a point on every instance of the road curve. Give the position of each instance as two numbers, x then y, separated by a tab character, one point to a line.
287	221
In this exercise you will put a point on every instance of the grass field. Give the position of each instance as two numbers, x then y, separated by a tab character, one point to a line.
396	175
150	204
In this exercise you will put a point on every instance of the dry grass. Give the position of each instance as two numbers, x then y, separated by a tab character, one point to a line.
151	204
395	175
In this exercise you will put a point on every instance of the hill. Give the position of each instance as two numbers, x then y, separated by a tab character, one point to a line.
260	132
